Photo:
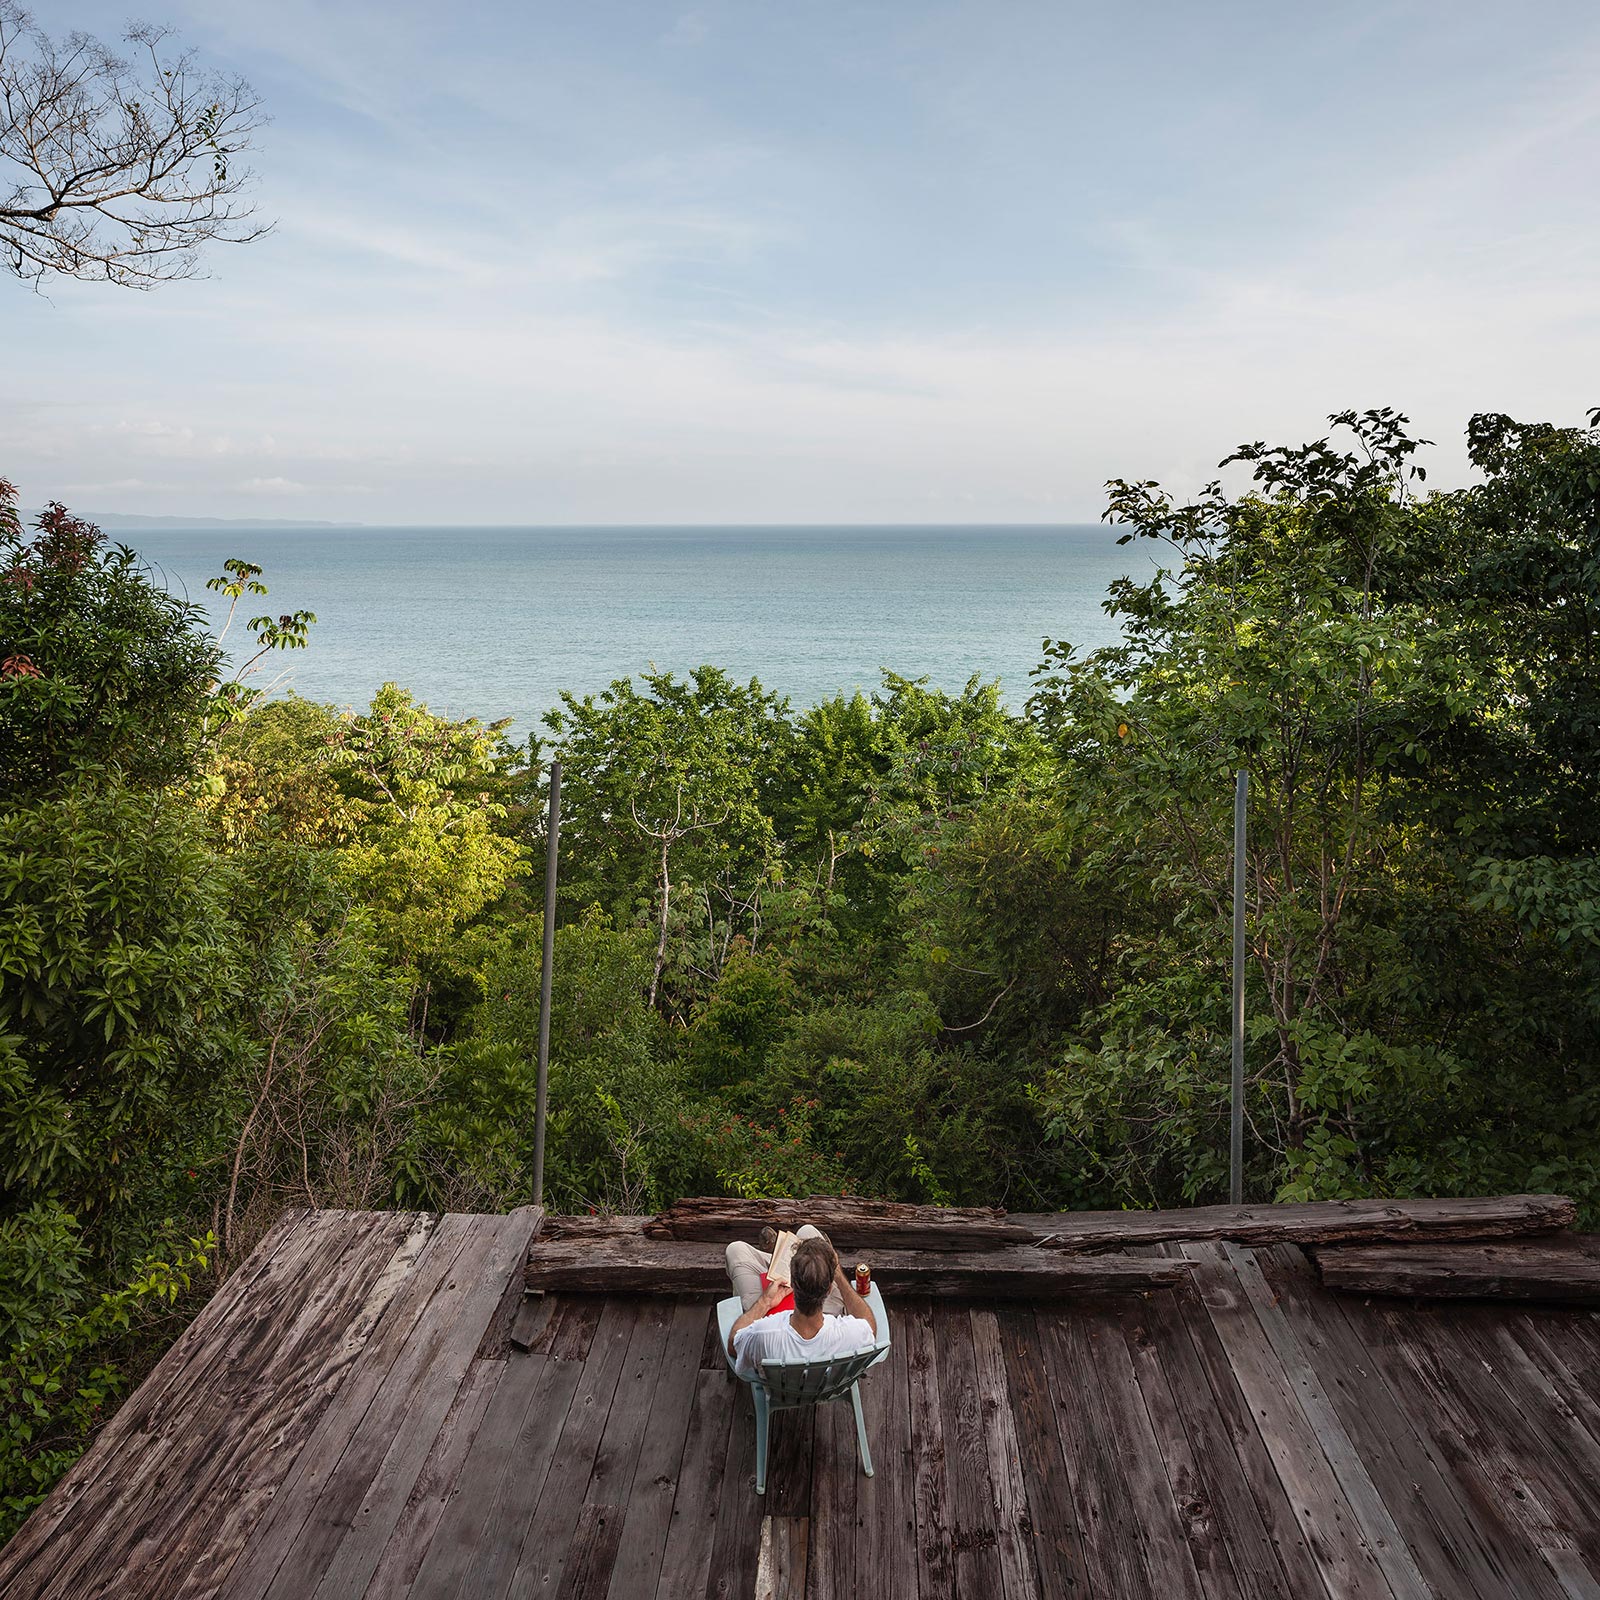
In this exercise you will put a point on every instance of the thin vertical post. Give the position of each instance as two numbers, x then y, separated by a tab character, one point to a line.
546	966
1241	800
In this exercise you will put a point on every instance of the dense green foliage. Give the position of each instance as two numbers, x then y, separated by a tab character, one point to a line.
914	944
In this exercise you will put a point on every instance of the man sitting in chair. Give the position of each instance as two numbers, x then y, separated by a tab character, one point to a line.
829	1318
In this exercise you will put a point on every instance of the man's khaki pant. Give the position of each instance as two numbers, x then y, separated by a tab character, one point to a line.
746	1264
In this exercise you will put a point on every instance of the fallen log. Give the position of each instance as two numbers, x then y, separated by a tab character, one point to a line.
634	1263
853	1224
1313	1223
1564	1270
593	1227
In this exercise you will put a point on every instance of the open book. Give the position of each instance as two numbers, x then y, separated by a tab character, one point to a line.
778	1268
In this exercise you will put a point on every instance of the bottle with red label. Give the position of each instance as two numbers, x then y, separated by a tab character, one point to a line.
863	1278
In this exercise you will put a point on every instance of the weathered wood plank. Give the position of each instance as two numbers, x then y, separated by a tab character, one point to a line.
615	1461
656	1476
834	1559
296	1499
1052	1516
172	1507
731	1574
970	1508
1132	1441
1556	1342
321	1497
1565	1447
531	1320
580	1317
935	1558
1464	1544
1270	1555
635	1264
501	1479
549	1530
781	1562
586	1573
719	1220
1347	1563
496	1342
1563	1270
1473	1426
886	1512
543	1337
790	1438
437	1485
713	1353
362	1502
998	1425
592	1226
276	1414
1189	1481
1314	1222
1374	1520
686	1561
1113	1550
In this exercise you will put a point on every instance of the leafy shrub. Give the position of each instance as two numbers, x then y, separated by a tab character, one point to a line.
57	1385
98	667
122	972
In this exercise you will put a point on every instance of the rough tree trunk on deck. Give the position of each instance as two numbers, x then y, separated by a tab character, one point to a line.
627	1261
1560	1271
850	1222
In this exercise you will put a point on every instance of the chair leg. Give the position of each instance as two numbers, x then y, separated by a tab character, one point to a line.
861	1429
761	1441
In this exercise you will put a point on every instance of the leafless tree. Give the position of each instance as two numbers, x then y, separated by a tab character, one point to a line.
117	169
667	834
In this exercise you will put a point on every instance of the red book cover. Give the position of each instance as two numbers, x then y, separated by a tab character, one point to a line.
785	1304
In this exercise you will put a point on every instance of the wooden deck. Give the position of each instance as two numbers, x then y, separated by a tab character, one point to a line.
351	1418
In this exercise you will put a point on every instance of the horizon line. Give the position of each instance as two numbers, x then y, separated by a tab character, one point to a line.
107	519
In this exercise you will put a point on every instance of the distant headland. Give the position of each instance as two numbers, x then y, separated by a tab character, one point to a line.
115	521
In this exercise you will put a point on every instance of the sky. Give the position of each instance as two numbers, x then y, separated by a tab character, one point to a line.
924	261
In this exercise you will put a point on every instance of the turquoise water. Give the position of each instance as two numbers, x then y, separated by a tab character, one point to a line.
494	622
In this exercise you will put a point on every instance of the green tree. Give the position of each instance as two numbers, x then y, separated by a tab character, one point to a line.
869	781
1292	638
424	853
98	667
667	805
619	1108
122	971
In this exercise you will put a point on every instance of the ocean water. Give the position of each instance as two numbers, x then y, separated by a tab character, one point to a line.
495	622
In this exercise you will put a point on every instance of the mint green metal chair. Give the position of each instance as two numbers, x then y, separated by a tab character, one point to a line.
788	1385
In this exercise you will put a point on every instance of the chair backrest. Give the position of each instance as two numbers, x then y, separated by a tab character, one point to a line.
804	1383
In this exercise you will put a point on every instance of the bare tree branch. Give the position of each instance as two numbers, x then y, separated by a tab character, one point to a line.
117	169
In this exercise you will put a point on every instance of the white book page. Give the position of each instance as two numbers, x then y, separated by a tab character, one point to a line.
778	1268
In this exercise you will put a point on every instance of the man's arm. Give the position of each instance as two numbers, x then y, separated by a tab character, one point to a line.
770	1296
854	1305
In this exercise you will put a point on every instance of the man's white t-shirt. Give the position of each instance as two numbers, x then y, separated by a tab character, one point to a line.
773	1339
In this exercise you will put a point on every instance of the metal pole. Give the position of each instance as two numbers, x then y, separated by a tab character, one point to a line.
1241	799
553	843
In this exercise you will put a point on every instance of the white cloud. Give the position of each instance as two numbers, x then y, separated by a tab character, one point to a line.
272	486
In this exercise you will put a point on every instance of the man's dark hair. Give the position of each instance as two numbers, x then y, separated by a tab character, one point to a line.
811	1270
